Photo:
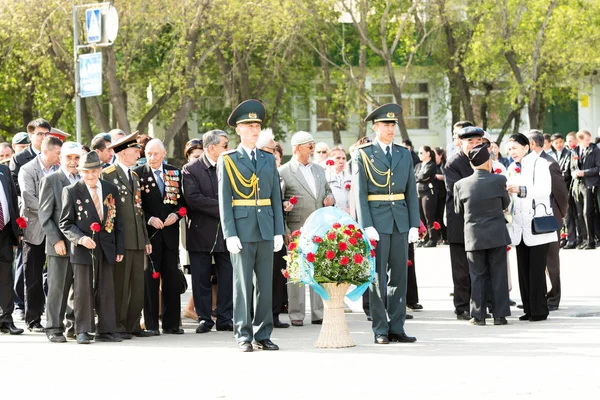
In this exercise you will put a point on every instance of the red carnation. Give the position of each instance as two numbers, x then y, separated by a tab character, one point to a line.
497	171
182	212
348	232
285	273
317	239
351	226
373	243
343	246
358	235
344	260
358	258
436	225
372	253
310	257
330	163
294	200
353	241
21	222
296	233
517	170
95	227
563	235
331	236
573	145
508	248
337	225
330	254
155	275
410	263
348	186
292	246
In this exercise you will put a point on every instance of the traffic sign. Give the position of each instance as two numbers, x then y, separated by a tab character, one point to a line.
90	74
110	24
93	23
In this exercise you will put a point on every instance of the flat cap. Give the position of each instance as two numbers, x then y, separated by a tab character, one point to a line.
125	143
385	113
479	154
470	131
21	138
69	148
302	137
247	111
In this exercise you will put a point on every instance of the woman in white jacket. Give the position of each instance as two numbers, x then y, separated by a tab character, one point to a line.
530	184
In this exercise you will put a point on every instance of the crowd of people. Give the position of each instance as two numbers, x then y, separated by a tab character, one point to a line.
97	230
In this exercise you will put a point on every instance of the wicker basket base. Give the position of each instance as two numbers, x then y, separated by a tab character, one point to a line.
334	331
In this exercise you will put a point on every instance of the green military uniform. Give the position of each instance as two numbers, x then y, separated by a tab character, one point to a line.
386	199
250	209
129	273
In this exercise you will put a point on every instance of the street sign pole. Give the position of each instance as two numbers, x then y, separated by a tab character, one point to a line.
76	70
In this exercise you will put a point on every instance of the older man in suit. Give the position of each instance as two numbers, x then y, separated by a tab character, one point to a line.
308	182
34	248
60	270
481	199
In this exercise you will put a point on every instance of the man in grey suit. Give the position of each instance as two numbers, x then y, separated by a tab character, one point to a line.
252	220
34	253
482	198
306	181
60	270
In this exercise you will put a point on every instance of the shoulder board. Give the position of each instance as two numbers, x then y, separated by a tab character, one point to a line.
135	173
362	146
228	152
110	169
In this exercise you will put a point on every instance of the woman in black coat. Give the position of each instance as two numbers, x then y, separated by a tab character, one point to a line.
425	173
440	188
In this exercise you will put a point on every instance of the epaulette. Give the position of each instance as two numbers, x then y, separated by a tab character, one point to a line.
135	173
363	145
228	152
110	169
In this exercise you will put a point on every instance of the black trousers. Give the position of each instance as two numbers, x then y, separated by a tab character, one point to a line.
532	278
166	263
461	277
279	281
6	277
34	258
201	266
587	210
553	268
489	280
19	280
412	290
571	223
427	211
440	209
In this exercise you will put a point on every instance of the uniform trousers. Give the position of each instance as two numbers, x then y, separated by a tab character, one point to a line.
34	258
487	269
387	292
129	291
460	277
60	281
201	264
6	277
254	262
553	270
165	262
101	297
532	278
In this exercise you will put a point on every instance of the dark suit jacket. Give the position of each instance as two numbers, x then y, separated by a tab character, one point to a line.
17	161
153	204
564	162
482	198
560	192
200	190
78	213
589	163
424	175
457	168
11	197
51	188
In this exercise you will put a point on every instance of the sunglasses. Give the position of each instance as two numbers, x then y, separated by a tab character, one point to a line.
194	142
321	151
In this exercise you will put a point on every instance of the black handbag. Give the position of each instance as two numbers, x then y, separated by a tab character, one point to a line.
184	284
544	224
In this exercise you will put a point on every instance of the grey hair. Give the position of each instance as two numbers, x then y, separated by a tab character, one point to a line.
212	137
536	137
155	141
265	138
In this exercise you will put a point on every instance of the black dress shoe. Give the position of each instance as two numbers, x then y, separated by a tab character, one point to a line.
590	246
581	246
520	306
278	324
203	327
382	339
317	322
570	246
415	306
9	327
176	331
123	335
246	347
401	338
524	317
477	322
500	321
146	333
512	303
464	315
266	344
57	338
36	327
369	318
430	243
108	337
225	327
83	338
552	307
408	316
535	318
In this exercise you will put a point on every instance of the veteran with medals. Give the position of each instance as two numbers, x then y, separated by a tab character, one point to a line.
387	206
129	273
252	220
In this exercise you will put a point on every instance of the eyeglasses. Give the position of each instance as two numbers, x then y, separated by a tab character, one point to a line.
42	133
321	152
310	145
224	145
194	142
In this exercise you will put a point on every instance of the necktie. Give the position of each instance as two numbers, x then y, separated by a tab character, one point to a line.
96	201
159	182
388	155
1	216
253	158
130	178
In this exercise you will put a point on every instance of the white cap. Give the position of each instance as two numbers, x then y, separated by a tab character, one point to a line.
302	137
69	148
487	136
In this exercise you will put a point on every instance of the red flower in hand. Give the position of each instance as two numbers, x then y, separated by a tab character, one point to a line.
497	171
21	222
317	239
155	275
348	186
182	212
564	235
373	243
330	254
330	163
517	170
342	246
285	273
436	225
508	248
344	260
296	233
294	200
372	253
337	225
358	258
410	263
310	257
331	235
353	241
292	246
95	227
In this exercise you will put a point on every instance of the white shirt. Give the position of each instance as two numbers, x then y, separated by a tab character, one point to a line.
70	177
98	192
337	183
249	150
124	168
306	171
383	147
162	176
4	202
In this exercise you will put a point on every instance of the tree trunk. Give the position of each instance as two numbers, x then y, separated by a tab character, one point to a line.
485	105
101	120
274	123
116	96
362	70
397	95
142	126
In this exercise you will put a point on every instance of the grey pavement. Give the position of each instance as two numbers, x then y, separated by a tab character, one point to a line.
557	358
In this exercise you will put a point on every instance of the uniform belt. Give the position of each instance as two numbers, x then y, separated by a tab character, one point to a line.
385	197
252	203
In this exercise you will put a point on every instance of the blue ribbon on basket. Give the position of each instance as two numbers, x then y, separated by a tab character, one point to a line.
318	224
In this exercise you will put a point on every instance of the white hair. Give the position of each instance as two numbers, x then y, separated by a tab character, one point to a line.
157	142
265	138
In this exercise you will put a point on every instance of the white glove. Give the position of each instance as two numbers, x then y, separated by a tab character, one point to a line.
233	244
277	243
413	235
372	233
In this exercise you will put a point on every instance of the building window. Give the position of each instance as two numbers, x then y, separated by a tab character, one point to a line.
302	113
323	121
415	102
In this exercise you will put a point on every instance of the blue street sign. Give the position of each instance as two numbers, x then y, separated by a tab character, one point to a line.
93	23
90	74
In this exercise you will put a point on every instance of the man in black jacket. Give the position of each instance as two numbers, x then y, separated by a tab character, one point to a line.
205	236
163	207
481	199
564	162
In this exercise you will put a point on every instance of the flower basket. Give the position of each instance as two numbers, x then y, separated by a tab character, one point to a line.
334	331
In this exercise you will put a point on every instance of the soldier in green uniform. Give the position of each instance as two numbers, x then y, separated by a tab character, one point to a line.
252	220
387	207
129	273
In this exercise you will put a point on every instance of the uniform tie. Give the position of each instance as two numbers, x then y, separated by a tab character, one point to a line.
130	178
96	201
388	155
253	158
159	182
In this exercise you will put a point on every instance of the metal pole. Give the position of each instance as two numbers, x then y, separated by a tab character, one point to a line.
76	67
